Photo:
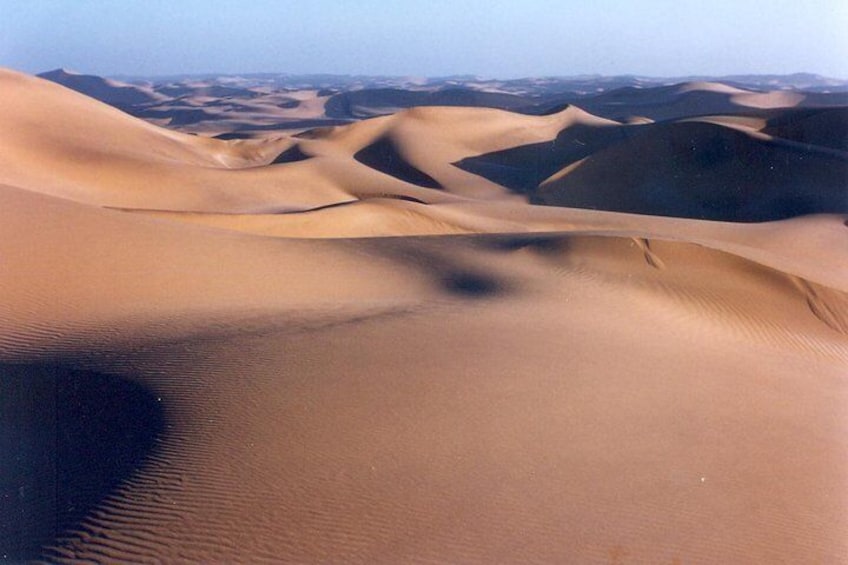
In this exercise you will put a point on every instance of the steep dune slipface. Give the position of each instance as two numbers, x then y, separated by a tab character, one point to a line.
825	127
707	171
194	380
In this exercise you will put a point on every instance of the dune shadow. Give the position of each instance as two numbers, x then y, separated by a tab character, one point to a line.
67	439
544	244
291	155
384	156
522	168
470	284
686	169
450	272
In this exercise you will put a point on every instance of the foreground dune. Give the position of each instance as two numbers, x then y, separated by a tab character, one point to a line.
209	356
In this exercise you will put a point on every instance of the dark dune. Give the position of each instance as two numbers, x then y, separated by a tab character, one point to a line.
384	156
110	92
289	104
684	100
827	127
290	155
825	99
179	116
658	103
174	90
346	104
704	171
476	98
523	168
380	101
67	439
208	90
240	130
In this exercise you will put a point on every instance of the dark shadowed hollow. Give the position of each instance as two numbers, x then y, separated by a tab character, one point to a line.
384	156
67	439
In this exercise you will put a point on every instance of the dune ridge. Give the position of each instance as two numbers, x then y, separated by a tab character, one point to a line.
363	343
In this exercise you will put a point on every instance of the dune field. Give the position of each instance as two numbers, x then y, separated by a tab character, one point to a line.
474	327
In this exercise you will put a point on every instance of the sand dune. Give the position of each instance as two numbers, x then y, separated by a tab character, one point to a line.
205	106
697	99
655	102
707	171
376	102
363	344
824	127
249	106
109	91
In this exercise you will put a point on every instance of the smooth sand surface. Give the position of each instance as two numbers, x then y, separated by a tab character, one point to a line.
367	352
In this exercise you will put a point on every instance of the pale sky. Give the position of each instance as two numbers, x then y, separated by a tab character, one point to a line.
491	38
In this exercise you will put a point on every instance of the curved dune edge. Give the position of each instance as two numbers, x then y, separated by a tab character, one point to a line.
340	365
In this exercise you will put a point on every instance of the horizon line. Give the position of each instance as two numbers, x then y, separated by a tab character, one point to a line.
464	75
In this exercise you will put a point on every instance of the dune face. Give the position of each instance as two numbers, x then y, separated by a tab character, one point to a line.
713	168
706	171
365	343
823	127
384	156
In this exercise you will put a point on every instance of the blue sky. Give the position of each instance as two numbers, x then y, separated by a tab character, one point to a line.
492	38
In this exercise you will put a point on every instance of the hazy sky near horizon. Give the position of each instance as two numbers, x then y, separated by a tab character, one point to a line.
492	38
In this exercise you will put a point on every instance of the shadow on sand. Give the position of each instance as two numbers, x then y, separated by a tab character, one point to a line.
67	439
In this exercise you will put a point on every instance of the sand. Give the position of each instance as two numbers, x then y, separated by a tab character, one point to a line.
372	351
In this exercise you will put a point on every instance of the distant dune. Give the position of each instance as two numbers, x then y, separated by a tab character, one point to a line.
374	102
363	342
250	105
109	91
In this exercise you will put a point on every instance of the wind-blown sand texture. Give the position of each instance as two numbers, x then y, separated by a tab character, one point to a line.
363	344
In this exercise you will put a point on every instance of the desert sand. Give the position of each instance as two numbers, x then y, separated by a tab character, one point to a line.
366	343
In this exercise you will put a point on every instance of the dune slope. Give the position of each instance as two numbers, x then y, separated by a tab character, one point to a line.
707	171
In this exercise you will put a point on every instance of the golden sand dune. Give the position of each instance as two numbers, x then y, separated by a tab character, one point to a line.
209	356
